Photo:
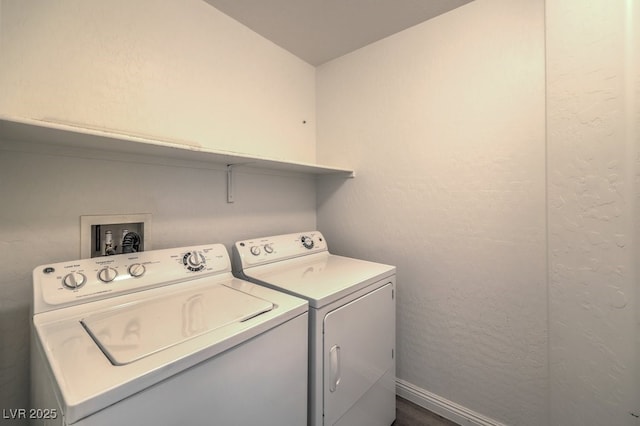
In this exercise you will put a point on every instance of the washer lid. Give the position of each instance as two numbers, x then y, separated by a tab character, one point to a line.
134	331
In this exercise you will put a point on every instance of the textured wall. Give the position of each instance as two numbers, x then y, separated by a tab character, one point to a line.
593	73
444	124
48	193
174	69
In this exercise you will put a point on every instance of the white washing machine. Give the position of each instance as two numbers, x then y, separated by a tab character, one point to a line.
351	323
165	337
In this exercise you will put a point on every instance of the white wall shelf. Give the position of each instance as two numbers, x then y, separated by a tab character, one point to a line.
70	136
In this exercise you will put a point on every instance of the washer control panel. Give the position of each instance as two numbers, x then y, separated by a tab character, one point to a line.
84	280
280	247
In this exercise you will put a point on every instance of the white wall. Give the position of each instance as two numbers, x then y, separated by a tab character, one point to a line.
173	69
593	118
445	125
170	69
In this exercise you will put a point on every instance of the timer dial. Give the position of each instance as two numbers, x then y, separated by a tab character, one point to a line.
307	242
194	261
74	280
255	250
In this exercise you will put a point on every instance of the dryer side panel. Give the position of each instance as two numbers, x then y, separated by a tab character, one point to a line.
358	350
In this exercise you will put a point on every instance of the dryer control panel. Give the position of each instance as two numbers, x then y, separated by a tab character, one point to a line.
260	251
80	281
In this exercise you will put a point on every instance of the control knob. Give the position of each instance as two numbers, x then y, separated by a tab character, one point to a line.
107	274
74	280
137	270
268	248
307	242
255	250
194	261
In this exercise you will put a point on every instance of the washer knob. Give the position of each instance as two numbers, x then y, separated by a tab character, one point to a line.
195	259
137	270
268	248
107	274
255	250
74	280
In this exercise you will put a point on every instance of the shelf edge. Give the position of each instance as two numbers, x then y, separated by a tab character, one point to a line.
49	131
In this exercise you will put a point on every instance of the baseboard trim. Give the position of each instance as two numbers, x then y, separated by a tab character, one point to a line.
441	406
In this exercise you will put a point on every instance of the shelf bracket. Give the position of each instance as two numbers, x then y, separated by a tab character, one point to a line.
229	183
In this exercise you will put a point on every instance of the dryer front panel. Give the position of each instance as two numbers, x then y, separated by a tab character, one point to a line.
358	349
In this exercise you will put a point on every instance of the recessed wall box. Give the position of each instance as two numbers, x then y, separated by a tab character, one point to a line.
105	235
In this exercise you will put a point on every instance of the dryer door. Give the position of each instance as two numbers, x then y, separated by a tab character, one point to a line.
359	341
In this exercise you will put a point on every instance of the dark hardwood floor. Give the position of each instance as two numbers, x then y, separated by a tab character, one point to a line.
410	414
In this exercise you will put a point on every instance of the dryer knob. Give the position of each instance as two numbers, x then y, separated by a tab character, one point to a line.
268	248
307	242
74	280
255	250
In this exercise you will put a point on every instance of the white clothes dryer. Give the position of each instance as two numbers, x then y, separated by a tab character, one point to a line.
351	323
165	337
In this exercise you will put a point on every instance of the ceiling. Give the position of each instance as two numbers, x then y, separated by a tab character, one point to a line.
320	30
